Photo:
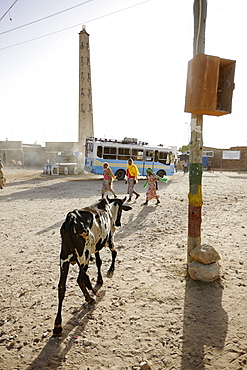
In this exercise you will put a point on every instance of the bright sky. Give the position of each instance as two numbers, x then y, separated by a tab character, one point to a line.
139	56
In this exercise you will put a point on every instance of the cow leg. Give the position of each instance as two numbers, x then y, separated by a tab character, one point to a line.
98	264
113	254
83	282
61	293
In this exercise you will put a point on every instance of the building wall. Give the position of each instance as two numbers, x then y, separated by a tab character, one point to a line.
32	158
62	146
52	150
228	164
35	155
11	150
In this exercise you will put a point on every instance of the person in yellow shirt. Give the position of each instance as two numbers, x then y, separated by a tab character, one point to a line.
131	179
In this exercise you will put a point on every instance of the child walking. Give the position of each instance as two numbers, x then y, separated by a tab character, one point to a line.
152	182
108	178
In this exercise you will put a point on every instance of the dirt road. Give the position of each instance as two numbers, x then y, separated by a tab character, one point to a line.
148	312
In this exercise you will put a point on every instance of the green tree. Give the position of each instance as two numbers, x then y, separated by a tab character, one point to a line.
184	148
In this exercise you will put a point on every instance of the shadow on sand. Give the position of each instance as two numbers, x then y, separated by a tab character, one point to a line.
205	324
54	352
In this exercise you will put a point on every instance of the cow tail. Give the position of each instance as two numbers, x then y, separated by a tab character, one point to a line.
67	233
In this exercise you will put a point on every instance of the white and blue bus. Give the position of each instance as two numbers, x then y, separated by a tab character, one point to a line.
117	153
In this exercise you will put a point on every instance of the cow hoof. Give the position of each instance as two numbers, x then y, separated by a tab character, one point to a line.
94	291
57	331
90	299
110	273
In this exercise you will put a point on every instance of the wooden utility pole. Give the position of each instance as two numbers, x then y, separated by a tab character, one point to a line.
196	141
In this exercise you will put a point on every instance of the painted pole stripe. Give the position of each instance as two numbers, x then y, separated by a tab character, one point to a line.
195	196
195	175
195	220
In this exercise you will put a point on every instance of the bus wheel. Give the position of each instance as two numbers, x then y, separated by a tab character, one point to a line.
120	174
161	173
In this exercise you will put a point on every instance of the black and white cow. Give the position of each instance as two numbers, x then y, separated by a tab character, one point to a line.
84	232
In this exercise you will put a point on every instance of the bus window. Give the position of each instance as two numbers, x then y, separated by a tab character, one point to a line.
110	152
137	154
123	153
149	155
163	157
89	147
99	151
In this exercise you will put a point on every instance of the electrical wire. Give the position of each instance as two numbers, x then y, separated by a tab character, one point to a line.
65	29
8	10
48	16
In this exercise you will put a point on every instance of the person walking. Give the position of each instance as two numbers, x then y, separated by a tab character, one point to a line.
209	165
131	179
2	178
108	178
152	183
186	166
176	165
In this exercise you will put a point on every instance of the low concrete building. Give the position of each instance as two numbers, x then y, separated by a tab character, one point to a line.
221	161
11	150
31	155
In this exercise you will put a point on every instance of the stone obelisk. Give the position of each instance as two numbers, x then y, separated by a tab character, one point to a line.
85	92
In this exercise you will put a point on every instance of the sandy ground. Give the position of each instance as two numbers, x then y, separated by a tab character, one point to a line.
149	311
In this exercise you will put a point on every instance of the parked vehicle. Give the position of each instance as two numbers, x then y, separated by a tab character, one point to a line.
116	153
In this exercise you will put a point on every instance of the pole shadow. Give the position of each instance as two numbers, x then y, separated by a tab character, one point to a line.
205	323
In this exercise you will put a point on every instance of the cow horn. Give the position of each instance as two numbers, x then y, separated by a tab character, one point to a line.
124	199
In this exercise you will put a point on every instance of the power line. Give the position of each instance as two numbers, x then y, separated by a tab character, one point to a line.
48	16
8	9
65	29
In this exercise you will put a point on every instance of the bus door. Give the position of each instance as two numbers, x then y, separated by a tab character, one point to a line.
138	155
89	156
148	160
